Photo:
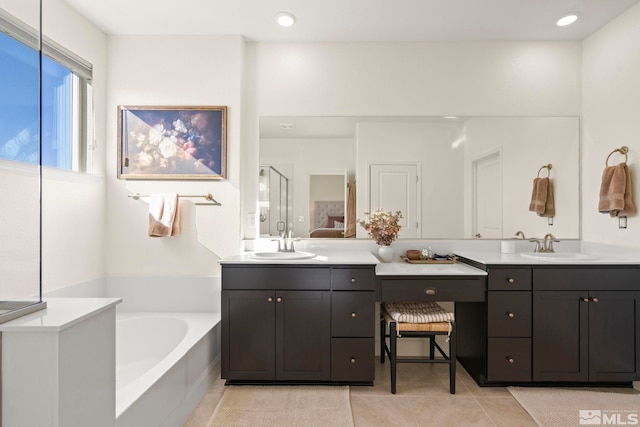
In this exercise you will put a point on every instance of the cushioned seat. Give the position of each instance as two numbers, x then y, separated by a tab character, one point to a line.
423	329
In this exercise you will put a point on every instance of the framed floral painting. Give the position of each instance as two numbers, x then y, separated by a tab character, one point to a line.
171	143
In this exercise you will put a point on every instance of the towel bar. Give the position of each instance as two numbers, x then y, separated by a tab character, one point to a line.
622	150
208	197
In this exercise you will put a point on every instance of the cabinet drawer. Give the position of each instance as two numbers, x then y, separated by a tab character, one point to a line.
587	278
509	359
509	314
268	277
509	279
352	359
353	314
353	279
459	290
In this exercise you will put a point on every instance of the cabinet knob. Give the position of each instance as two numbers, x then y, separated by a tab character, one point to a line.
353	360
430	291
270	299
594	299
353	280
510	359
279	299
353	314
511	314
585	299
511	280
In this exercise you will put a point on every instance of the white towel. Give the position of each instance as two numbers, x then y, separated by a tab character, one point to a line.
164	215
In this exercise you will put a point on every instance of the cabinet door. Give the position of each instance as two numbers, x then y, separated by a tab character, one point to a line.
560	336
248	335
613	352
303	335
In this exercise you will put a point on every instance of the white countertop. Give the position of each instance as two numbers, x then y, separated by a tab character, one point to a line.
323	257
497	258
60	314
402	268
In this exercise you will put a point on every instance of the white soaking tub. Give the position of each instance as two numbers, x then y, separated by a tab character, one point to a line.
164	365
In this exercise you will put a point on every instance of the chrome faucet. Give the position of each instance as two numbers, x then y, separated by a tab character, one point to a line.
285	242
520	234
549	239
545	245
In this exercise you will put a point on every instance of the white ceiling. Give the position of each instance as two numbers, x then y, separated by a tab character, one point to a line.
355	20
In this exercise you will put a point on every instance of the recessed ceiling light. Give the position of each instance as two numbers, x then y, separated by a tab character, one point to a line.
285	19
567	19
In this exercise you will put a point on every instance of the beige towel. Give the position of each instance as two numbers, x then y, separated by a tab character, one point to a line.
350	226
164	215
539	195
616	193
549	205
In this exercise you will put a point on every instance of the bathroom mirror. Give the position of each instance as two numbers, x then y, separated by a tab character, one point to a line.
452	177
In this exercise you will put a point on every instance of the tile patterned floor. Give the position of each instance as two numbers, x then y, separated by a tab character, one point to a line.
422	399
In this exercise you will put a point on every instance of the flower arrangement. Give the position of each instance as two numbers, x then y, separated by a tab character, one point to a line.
383	226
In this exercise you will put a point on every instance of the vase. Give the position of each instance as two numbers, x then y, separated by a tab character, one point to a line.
385	253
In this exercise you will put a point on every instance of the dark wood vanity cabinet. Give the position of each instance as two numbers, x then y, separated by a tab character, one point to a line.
509	324
586	325
297	324
547	323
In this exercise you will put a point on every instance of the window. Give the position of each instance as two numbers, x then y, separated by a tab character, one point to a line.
66	104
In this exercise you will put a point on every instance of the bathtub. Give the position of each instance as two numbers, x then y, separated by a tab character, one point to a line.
164	366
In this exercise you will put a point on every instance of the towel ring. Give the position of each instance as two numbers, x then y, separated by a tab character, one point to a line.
547	167
622	150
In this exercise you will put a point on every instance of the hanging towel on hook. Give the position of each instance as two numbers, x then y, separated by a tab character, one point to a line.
616	193
164	215
542	201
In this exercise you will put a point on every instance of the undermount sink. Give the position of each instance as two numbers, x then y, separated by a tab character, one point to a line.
282	255
559	256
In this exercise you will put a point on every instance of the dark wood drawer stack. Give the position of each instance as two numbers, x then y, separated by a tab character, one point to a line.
352	328
509	325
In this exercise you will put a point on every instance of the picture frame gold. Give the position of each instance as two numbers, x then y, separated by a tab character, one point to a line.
172	142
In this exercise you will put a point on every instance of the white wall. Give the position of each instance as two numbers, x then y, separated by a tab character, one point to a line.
73	205
174	71
387	79
610	112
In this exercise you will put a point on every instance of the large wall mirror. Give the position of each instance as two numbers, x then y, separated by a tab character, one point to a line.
452	177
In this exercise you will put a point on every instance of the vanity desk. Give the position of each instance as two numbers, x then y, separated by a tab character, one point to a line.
313	320
564	320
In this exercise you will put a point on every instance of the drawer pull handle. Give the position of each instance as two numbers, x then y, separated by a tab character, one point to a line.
511	314
279	299
594	299
430	291
270	299
353	360
511	280
510	359
353	314
353	280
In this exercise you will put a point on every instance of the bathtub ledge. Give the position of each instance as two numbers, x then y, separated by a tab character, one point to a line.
60	314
